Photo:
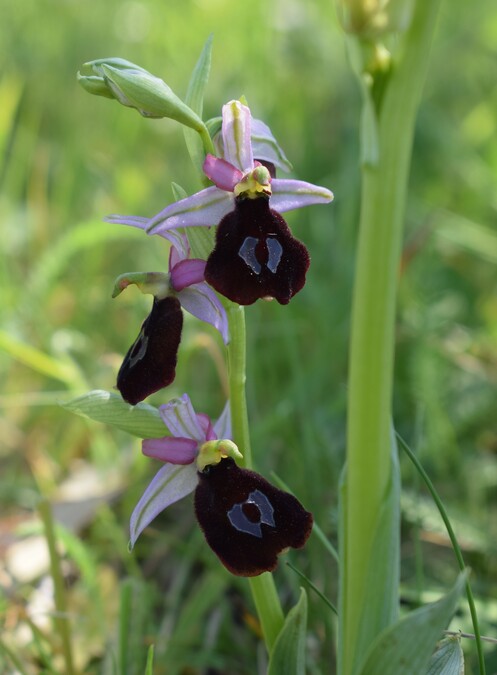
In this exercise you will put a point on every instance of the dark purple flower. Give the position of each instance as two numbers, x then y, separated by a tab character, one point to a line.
256	256
268	261
246	521
150	362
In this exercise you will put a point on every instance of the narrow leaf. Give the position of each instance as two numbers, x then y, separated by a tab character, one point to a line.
141	420
195	100
288	654
448	658
43	363
406	647
150	661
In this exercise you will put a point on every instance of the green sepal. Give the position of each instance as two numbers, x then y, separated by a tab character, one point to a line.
154	283
94	85
141	420
288	654
406	647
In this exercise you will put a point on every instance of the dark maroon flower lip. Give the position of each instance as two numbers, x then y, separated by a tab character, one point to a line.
150	363
256	256
247	521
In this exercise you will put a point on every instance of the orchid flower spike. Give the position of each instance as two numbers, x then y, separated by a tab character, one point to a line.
245	520
150	363
255	255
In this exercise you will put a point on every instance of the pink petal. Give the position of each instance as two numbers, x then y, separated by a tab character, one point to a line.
222	427
201	301
179	417
236	136
223	174
293	194
169	485
171	449
205	422
187	272
204	208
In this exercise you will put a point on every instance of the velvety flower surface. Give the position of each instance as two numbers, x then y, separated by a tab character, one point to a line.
150	362
247	521
256	256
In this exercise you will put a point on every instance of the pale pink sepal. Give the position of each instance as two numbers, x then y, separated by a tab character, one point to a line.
222	426
179	417
293	194
177	239
171	449
170	484
204	208
187	272
223	174
236	136
265	146
201	301
205	422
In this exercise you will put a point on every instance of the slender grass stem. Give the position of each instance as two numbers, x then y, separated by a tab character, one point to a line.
61	621
263	588
455	546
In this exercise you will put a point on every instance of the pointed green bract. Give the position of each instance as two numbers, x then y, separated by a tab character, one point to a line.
448	659
141	420
195	100
406	647
288	653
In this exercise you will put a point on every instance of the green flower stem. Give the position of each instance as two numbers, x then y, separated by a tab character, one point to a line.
237	377
369	464
206	140
263	589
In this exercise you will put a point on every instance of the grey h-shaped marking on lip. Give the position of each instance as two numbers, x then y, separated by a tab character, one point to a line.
248	255
240	521
275	251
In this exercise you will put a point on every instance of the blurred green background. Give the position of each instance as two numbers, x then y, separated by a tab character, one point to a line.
67	160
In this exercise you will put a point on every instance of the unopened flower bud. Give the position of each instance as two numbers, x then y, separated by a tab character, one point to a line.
136	88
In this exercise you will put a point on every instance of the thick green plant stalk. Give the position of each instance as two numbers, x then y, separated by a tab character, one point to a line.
371	453
263	588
